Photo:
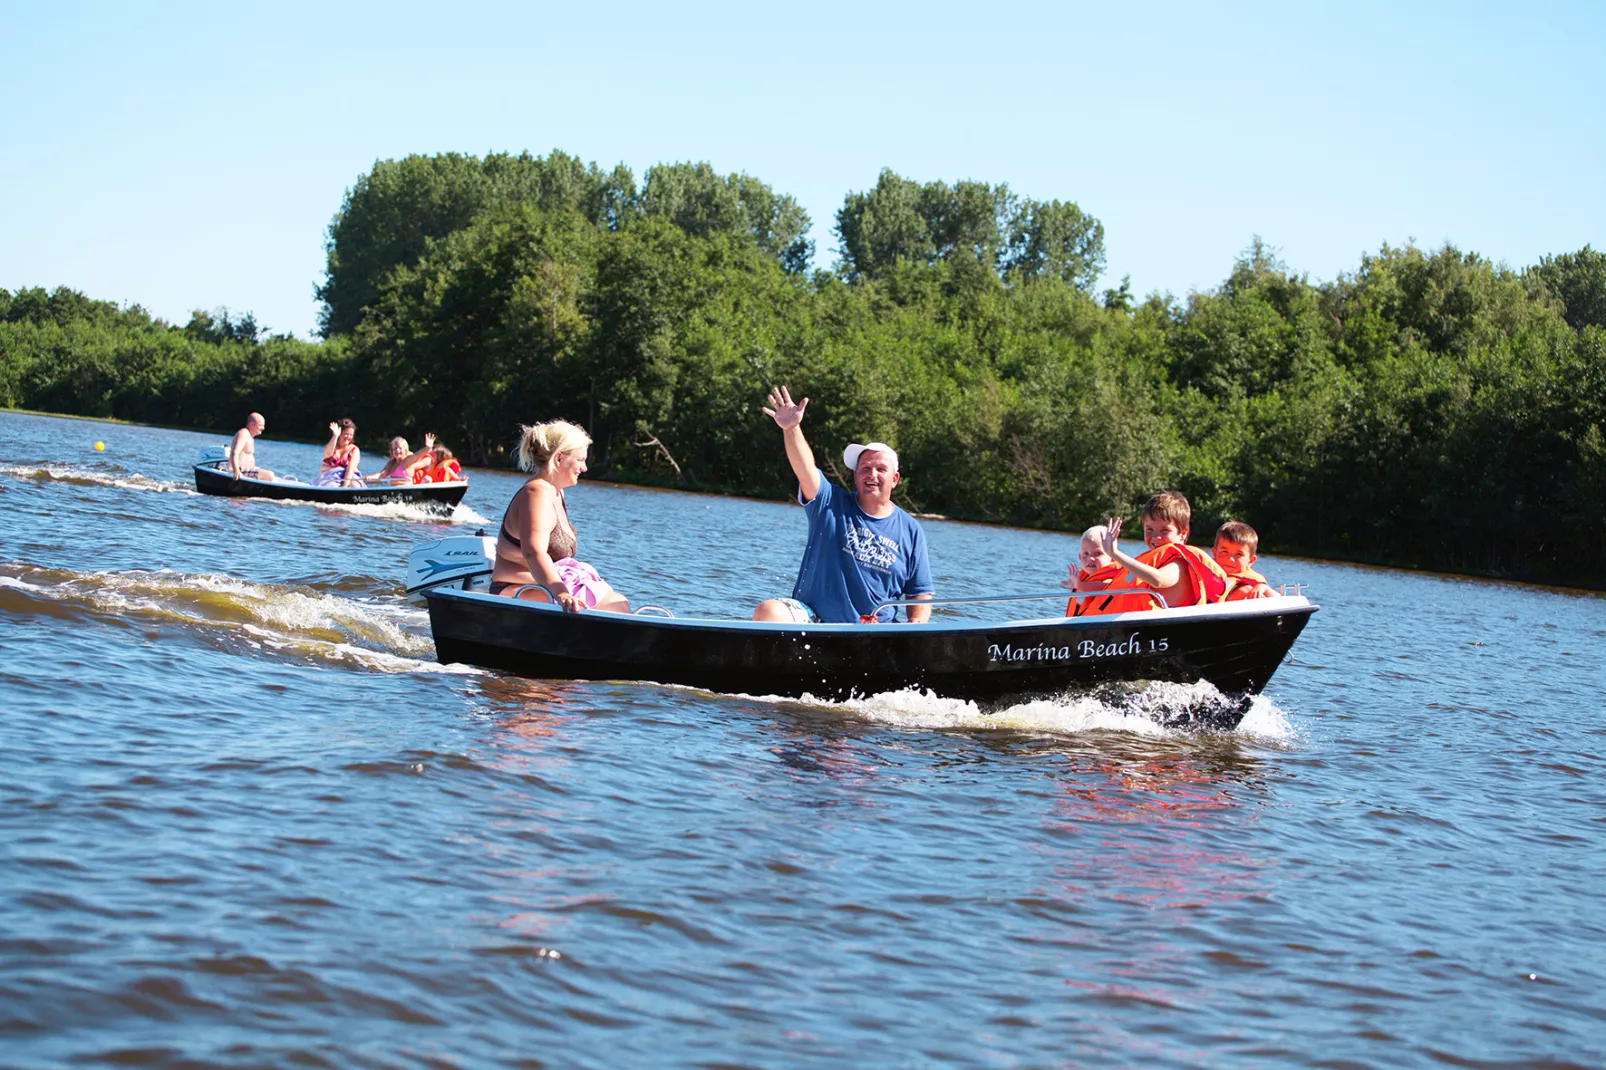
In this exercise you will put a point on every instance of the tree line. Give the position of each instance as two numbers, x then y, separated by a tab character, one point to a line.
1428	409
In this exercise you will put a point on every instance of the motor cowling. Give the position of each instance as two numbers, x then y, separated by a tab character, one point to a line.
458	561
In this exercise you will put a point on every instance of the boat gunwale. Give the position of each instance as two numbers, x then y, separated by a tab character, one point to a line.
1276	606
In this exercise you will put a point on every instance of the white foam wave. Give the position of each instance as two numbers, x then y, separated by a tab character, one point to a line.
1069	715
412	512
1264	721
1158	709
82	476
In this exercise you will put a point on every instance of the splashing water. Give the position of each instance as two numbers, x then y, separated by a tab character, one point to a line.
304	623
414	512
1155	710
89	477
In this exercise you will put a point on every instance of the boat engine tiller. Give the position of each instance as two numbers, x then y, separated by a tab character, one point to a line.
462	561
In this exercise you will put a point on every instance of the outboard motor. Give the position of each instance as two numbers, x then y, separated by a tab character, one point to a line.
463	561
216	456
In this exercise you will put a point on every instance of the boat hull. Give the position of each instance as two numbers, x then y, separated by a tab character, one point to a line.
210	480
1235	647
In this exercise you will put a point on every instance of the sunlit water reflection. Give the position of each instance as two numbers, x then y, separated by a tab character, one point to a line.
248	820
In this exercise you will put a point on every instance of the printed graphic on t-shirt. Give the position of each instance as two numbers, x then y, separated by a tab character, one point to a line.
869	548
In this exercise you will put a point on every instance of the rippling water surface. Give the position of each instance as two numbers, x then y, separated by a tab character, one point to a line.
247	820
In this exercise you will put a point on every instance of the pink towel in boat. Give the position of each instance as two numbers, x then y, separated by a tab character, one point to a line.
582	580
335	477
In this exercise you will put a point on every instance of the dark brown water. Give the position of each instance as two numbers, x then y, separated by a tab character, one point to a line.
246	819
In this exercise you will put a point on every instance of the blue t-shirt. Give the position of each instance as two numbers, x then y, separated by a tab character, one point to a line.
854	561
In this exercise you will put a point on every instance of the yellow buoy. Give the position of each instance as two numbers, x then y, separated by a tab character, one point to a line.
100	445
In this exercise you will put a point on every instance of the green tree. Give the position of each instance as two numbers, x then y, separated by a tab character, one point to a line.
968	223
390	216
1578	280
1054	238
883	226
701	202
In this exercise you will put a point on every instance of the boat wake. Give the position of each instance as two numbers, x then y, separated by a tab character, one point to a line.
1157	709
412	512
231	614
75	476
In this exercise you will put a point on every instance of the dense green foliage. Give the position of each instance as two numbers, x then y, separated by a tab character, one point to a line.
1429	409
62	352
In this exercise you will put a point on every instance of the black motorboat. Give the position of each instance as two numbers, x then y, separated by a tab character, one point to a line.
212	476
1236	646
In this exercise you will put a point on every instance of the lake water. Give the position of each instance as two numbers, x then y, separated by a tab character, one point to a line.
247	820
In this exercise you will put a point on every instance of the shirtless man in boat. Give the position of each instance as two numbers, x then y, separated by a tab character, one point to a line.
862	549
243	450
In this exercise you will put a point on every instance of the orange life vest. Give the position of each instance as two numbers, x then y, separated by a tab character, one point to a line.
1104	578
1205	582
449	472
1247	584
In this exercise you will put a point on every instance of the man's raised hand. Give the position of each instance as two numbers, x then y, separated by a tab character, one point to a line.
783	410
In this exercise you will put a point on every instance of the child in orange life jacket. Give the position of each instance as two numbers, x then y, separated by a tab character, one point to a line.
1236	543
446	469
1184	575
442	466
1099	572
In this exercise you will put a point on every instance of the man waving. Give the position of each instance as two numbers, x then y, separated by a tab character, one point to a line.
862	549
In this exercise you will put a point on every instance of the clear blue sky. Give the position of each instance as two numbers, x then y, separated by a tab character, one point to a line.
184	156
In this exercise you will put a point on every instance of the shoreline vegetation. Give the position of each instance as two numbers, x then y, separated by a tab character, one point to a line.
1428	410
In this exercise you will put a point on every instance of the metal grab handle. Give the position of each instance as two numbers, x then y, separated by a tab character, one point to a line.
1014	597
519	593
652	609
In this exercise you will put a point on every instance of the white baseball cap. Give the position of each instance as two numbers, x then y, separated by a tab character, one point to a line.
851	454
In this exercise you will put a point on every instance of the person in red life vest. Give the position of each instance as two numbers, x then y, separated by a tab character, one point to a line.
443	467
1236	543
1099	572
1183	575
434	463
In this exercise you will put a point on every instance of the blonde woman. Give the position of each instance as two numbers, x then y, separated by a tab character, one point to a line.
398	471
537	542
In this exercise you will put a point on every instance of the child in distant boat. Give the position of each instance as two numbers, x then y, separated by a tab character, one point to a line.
442	466
1236	543
433	464
1180	574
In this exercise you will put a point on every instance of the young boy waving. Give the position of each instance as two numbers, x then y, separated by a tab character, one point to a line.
1184	575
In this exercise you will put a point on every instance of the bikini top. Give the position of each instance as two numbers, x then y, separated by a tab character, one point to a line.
339	459
563	541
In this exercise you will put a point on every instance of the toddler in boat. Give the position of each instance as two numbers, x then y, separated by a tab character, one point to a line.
1099	572
1236	543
